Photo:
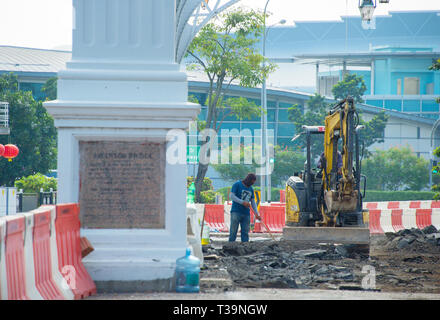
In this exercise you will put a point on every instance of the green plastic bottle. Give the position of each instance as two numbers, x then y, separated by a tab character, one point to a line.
191	193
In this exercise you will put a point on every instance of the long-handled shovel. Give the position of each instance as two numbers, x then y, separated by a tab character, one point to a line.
273	238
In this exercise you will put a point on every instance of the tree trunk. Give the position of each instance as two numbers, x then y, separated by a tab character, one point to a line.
201	172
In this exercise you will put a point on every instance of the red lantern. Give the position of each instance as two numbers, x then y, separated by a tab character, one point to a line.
11	151
2	149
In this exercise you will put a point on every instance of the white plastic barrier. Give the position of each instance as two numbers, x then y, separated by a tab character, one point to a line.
409	218
56	274
436	218
193	231
3	201
12	201
31	288
385	221
8	201
3	276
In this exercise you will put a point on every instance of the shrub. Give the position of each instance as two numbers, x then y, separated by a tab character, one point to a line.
275	193
207	183
208	196
376	195
33	183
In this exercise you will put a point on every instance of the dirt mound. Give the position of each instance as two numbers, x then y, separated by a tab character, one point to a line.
413	240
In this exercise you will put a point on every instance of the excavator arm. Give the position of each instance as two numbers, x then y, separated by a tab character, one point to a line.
340	190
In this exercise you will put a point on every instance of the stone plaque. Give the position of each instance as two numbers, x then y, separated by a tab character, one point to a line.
122	184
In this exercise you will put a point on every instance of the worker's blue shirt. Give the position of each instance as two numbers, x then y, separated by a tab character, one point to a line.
244	193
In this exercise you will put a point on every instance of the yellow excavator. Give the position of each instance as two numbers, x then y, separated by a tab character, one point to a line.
325	204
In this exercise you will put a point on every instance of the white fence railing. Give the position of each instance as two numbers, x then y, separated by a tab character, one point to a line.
4	117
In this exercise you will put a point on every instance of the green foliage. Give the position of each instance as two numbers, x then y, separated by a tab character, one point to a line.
436	175
34	183
207	196
207	183
286	163
380	195
315	116
374	131
275	192
226	51
31	129
435	66
396	169
50	88
352	85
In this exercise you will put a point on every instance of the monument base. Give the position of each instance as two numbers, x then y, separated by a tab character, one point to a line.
132	260
157	285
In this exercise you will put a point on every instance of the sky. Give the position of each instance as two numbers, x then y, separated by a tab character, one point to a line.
47	24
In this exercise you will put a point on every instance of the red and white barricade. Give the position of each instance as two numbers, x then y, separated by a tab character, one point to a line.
392	216
40	255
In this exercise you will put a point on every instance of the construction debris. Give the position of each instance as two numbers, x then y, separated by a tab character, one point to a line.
413	240
406	261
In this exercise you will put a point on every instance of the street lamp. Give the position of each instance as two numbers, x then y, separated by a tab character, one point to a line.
366	7
265	178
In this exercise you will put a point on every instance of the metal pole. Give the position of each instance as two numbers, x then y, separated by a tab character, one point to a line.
263	114
431	156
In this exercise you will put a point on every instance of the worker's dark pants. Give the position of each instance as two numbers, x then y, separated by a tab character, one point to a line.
242	219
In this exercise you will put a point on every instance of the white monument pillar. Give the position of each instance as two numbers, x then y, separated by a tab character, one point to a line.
118	97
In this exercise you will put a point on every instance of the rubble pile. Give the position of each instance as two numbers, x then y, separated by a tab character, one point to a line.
413	240
269	264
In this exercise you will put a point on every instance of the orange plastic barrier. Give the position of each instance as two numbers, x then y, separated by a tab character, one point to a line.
42	256
423	218
273	217
283	196
215	217
258	228
67	227
396	219
374	222
15	265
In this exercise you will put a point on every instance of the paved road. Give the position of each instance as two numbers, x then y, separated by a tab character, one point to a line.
272	294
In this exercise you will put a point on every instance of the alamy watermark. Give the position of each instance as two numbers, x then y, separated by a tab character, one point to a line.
369	280
228	146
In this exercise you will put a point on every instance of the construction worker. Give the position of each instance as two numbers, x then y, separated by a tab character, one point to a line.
339	163
242	197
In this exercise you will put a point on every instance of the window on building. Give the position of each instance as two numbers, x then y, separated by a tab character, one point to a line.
326	84
411	85
430	88
399	87
418	132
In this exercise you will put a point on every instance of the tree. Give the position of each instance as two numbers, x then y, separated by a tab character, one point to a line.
31	129
435	66
352	85
50	88
225	51
315	116
396	169
286	163
436	169
436	174
374	131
